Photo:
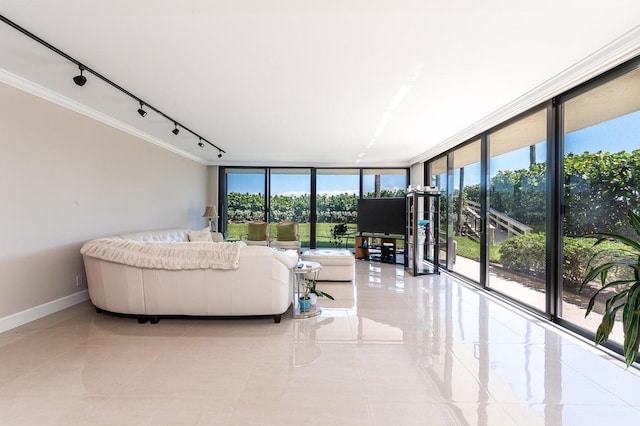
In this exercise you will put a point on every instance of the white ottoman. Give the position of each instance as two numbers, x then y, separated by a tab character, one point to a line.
337	265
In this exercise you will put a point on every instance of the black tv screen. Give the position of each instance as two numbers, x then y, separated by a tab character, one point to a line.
382	215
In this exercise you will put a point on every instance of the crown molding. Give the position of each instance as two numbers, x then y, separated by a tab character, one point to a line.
284	164
615	53
56	98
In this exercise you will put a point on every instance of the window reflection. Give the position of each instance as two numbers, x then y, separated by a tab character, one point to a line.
601	177
517	210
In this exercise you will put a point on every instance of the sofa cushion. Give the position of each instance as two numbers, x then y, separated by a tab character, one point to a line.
257	231
161	255
162	235
202	236
286	231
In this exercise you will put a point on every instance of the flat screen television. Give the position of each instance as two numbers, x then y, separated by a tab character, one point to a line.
382	215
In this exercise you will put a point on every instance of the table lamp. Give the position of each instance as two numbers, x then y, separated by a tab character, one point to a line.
211	212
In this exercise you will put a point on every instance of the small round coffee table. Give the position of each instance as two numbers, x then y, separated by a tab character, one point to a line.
300	271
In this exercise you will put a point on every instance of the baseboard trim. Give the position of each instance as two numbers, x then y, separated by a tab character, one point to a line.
37	312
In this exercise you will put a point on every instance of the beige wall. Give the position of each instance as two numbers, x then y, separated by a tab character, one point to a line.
65	179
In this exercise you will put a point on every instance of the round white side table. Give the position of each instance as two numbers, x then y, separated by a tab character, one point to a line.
300	271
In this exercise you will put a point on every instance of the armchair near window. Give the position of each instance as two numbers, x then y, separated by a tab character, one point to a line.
287	236
257	234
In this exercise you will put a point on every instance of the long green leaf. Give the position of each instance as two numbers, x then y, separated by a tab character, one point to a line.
631	352
323	294
632	338
597	271
631	325
604	236
592	301
630	308
634	220
628	299
619	296
604	329
606	325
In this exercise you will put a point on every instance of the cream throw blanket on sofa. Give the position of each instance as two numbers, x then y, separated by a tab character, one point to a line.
169	255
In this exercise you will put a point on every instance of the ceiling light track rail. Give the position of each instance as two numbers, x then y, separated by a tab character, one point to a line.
81	81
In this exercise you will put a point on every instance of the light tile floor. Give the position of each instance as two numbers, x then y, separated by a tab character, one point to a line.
390	350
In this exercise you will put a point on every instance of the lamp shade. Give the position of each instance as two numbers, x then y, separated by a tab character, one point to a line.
210	211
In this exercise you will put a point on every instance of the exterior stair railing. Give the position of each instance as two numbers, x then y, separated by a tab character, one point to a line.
501	221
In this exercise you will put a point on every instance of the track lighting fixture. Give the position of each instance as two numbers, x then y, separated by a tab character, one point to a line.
141	111
80	80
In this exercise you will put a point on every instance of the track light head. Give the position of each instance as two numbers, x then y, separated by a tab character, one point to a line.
200	144
141	111
220	154
176	130
80	80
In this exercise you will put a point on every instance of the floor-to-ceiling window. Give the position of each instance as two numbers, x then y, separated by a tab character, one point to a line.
553	176
337	192
517	209
316	198
601	184
467	226
245	199
290	199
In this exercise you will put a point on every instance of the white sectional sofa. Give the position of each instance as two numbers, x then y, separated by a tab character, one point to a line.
162	273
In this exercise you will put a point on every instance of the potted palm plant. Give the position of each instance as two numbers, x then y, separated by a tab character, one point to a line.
314	292
309	295
304	300
619	272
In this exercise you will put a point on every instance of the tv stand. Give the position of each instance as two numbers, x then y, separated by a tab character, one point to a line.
378	247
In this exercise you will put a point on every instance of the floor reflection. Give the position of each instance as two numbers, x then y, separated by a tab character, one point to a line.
390	349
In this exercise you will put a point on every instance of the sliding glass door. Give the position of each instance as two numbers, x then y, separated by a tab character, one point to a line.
517	209
246	201
601	184
291	199
467	226
337	192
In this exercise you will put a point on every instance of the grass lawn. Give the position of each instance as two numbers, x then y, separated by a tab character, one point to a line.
470	248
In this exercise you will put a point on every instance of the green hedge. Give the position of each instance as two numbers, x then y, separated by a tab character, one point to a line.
527	253
524	253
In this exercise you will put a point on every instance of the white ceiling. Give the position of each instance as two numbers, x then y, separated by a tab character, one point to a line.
302	82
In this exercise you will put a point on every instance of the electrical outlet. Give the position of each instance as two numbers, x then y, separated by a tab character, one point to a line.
78	280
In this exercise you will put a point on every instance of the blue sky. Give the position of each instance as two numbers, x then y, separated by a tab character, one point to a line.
292	184
619	134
